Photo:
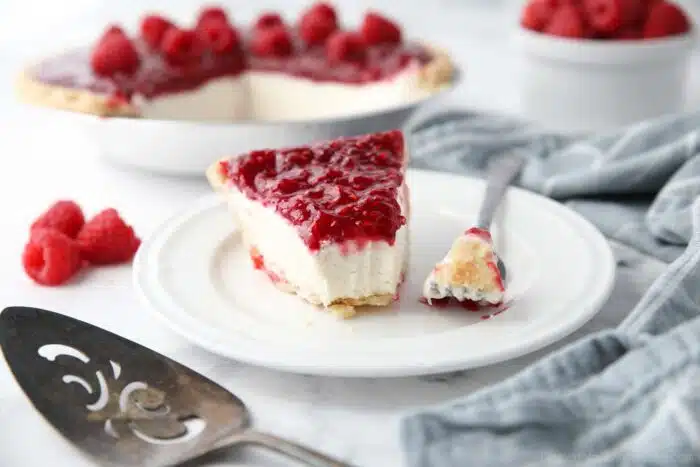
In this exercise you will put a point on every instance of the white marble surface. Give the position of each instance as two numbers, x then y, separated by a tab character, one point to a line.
42	158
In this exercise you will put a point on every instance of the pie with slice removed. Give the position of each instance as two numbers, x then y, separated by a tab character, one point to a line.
219	70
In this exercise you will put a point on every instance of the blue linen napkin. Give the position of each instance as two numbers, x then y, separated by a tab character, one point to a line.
628	396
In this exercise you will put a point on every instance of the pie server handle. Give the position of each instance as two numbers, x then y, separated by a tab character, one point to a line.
292	450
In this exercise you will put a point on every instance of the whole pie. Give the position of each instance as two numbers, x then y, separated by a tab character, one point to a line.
328	221
217	70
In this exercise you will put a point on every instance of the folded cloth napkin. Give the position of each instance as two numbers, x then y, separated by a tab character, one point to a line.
628	396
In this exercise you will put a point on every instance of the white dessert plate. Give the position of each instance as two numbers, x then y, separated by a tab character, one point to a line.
196	275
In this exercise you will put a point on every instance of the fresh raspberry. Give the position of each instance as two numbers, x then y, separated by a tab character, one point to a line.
211	15
566	22
180	46
604	16
272	42
377	29
107	239
537	14
64	216
153	28
628	34
50	257
314	29
665	19
113	31
114	53
323	9
346	47
218	36
268	20
634	12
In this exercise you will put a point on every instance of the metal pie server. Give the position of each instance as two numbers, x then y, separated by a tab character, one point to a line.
123	403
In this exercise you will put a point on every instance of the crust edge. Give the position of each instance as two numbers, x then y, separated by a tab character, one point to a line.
438	73
34	92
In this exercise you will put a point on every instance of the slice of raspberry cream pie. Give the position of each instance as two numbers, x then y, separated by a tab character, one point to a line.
215	70
328	221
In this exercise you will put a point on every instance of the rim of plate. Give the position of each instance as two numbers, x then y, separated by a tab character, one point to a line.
191	329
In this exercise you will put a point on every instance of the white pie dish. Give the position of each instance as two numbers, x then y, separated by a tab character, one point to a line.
187	148
577	85
194	274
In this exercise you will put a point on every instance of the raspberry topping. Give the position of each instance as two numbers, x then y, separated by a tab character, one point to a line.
180	46
604	16
323	9
184	59
153	28
537	14
219	37
566	22
315	29
211	15
107	239
376	29
335	191
665	19
346	47
317	24
64	216
114	54
50	257
269	20
272	42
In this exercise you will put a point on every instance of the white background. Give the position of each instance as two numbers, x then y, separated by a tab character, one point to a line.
42	159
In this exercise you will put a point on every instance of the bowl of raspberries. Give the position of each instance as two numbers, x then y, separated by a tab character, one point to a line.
592	65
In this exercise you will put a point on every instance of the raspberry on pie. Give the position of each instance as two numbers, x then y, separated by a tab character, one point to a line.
211	15
180	46
153	28
272	42
269	20
376	29
114	54
315	28
218	36
346	47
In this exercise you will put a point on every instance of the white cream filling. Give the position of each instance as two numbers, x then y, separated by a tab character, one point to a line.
332	272
222	99
270	96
